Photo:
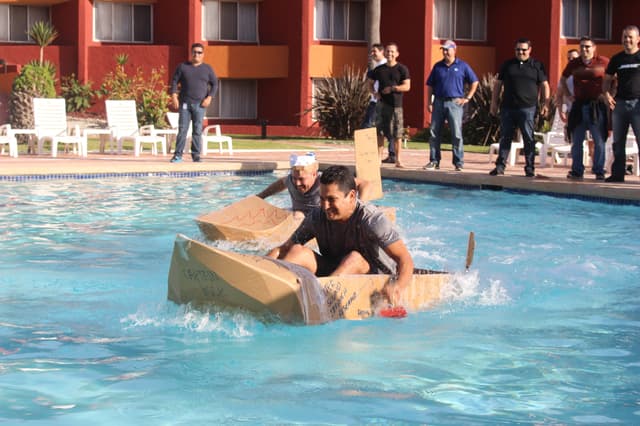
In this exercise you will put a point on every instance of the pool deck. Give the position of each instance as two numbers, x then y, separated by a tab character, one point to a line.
475	173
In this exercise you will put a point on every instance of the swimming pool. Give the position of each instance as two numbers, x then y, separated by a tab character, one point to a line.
544	328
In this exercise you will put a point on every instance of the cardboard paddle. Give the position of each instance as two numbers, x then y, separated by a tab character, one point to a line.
368	160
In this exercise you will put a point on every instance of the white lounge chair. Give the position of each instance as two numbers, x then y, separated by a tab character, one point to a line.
123	122
214	135
554	138
8	138
50	119
631	151
516	145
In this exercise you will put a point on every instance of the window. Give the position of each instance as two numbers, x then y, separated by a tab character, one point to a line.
16	21
230	20
586	17
128	22
460	19
235	99
341	19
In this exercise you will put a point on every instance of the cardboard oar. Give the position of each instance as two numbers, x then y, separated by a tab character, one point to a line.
471	246
368	160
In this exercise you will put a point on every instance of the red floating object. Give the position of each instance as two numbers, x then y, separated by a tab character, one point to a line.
393	312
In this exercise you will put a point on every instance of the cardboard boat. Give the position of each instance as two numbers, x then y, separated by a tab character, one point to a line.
251	218
203	275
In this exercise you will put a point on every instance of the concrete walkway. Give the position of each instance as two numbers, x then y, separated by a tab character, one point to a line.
475	173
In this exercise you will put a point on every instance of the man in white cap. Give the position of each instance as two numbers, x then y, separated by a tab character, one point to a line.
304	186
447	98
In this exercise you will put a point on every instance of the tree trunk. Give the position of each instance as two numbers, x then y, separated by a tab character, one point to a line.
373	21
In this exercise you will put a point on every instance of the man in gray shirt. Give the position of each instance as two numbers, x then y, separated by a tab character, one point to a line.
353	237
198	85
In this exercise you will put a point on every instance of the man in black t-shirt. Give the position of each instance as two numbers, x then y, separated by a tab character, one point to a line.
393	80
522	79
626	103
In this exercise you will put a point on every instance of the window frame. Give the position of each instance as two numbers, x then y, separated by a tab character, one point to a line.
132	6
347	29
219	99
9	21
205	27
452	24
578	34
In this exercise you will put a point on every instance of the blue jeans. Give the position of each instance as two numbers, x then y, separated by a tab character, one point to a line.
598	129
189	113
522	118
626	112
452	112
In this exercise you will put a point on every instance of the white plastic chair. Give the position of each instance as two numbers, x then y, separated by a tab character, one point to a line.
554	138
50	119
631	151
516	145
173	118
8	138
123	122
214	135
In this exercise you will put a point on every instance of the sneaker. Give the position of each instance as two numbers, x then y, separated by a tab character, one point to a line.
432	166
197	160
389	160
629	169
458	168
176	160
496	172
599	176
530	174
574	176
614	179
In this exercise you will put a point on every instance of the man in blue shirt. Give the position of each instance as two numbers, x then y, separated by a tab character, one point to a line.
446	101
197	86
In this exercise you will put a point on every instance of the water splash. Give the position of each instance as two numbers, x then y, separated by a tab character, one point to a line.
466	288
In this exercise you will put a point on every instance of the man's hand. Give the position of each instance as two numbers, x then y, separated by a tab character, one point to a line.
205	102
175	103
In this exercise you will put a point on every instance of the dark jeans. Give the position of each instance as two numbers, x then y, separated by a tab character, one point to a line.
370	121
189	113
596	123
626	112
452	112
510	119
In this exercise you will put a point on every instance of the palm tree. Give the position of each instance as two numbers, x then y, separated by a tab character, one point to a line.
43	33
373	21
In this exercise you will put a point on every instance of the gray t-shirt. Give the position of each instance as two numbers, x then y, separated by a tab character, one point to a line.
303	202
368	231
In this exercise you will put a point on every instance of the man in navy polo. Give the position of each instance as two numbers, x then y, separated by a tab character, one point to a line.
445	89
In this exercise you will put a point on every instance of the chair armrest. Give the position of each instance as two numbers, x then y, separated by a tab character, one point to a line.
216	130
148	129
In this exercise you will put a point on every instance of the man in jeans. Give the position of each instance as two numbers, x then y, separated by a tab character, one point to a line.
198	85
626	104
522	78
588	111
446	84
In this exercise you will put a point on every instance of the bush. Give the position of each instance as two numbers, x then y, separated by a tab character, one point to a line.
149	91
34	81
79	97
340	103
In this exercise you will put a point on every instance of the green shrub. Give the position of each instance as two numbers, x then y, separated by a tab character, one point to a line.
78	96
34	81
339	103
149	91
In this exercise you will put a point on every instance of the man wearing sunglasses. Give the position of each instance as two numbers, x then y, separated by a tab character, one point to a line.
197	84
588	111
523	79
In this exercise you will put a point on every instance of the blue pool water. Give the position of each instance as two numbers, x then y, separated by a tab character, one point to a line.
544	329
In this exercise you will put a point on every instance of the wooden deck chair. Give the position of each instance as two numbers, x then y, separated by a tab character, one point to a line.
8	138
50	119
123	122
214	135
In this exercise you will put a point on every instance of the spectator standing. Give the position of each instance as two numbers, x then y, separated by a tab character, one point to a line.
626	103
588	111
198	85
567	99
394	80
446	101
522	78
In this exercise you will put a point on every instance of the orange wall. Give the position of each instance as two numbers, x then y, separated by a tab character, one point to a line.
482	59
248	61
327	60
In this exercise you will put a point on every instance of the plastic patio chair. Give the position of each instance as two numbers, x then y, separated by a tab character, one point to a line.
50	119
631	151
516	145
123	122
212	134
554	138
8	138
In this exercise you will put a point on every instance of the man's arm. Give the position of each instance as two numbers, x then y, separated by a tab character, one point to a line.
399	253
546	93
175	103
274	188
429	98
472	90
495	95
405	86
607	88
364	189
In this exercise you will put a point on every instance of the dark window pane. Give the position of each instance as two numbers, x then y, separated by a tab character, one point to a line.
357	17
463	19
142	23
228	21
18	20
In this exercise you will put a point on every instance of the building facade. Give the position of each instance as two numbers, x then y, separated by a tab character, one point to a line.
268	53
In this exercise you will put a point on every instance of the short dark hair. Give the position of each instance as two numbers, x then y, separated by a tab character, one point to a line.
585	38
377	46
523	40
339	175
194	45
